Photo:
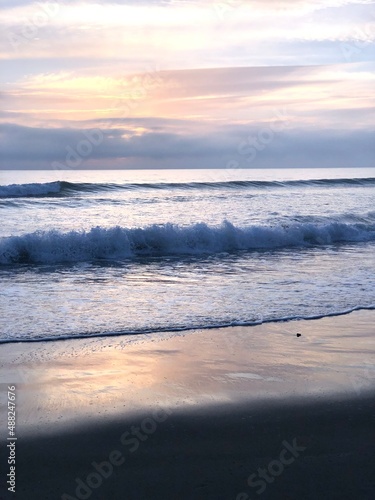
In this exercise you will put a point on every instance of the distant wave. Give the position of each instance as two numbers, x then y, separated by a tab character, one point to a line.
170	239
63	188
30	190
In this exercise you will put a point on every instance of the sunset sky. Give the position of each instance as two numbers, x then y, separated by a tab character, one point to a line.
187	84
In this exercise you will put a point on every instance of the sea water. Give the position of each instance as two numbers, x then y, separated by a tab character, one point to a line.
86	253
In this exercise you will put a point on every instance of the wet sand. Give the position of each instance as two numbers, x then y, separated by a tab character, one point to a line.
237	413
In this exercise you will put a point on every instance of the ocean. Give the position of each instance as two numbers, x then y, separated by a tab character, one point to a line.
97	253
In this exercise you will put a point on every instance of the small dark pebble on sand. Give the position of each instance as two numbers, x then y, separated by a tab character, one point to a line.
299	334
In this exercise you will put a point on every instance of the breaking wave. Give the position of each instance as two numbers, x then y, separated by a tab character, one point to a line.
30	190
43	247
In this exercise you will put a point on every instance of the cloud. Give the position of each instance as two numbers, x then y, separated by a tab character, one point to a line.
313	95
28	143
185	82
250	33
242	146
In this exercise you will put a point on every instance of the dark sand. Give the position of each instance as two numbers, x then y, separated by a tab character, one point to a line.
196	416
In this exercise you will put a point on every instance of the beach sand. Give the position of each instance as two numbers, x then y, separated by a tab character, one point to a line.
236	413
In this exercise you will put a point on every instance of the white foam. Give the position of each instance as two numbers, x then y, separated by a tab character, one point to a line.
171	239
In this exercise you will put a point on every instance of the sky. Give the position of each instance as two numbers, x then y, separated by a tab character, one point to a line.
187	84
